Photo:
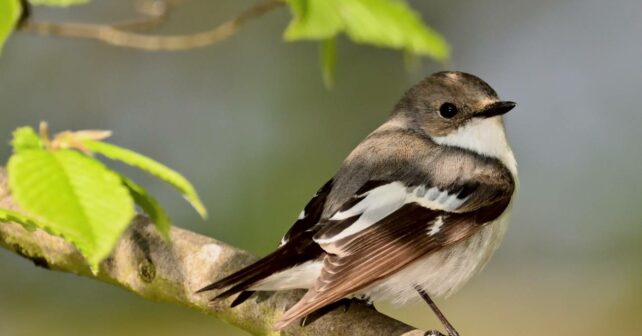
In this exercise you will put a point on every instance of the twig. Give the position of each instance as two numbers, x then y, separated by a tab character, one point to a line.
146	265
153	14
123	35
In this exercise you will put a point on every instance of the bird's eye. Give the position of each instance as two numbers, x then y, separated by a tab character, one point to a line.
448	110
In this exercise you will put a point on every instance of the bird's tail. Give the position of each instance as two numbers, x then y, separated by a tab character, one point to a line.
245	277
281	259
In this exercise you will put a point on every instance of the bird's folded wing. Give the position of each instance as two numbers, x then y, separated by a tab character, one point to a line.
297	247
388	225
310	215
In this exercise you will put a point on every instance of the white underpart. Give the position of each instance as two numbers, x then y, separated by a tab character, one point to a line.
485	136
300	276
388	198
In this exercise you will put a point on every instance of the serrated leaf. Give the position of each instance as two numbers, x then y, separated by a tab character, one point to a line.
73	196
8	216
151	166
150	206
25	138
9	14
58	3
328	61
383	23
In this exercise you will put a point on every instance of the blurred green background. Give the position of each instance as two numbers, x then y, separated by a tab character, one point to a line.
250	123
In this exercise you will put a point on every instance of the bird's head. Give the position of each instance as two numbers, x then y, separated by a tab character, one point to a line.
446	102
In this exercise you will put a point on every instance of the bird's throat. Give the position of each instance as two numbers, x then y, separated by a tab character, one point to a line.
485	137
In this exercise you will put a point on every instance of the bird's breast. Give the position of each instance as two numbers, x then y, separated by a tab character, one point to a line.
445	271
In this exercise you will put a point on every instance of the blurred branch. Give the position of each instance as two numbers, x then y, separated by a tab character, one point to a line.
154	13
146	265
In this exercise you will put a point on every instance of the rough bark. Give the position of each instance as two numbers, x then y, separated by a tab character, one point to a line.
146	265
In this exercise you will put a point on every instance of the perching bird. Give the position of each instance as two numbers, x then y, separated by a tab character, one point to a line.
415	210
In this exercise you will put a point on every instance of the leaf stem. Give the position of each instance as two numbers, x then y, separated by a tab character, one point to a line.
43	129
121	34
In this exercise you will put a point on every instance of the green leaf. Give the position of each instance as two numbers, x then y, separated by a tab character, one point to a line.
150	205
9	14
73	196
328	61
151	166
383	23
25	138
314	20
58	3
7	216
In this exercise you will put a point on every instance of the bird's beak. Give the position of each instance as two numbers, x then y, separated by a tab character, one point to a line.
496	108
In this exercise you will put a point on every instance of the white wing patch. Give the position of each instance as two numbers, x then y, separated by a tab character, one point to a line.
436	226
434	198
386	199
377	204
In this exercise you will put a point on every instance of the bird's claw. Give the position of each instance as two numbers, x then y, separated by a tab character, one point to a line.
304	321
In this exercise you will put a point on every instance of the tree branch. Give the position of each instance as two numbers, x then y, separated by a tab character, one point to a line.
146	265
122	34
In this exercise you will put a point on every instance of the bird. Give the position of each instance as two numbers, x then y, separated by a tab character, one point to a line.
413	212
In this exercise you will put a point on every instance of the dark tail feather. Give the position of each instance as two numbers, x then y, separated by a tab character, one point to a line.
240	287
283	258
247	275
299	248
242	297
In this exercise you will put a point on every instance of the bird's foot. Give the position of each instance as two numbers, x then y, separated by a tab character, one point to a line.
304	321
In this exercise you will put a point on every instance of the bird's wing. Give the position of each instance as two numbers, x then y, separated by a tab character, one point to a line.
310	215
389	224
297	247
